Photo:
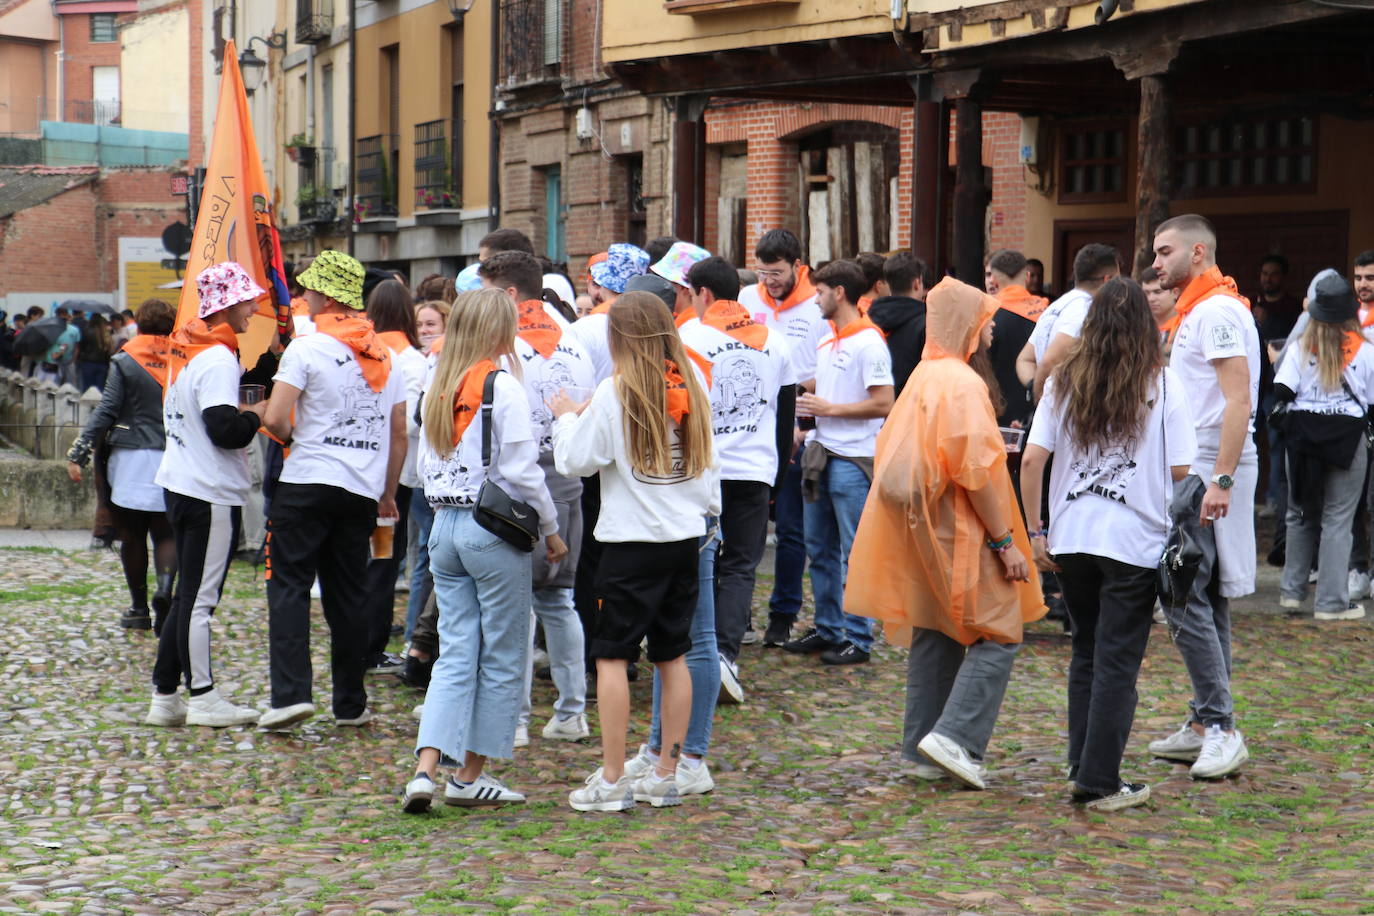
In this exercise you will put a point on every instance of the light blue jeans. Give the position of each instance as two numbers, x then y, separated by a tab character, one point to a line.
563	636
703	659
482	585
830	525
420	581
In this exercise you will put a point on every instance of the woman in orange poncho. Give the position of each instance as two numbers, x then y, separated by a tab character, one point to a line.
942	507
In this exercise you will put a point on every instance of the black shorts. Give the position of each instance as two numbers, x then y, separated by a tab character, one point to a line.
645	589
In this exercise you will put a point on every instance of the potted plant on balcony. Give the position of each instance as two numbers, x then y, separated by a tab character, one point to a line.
437	199
296	144
315	204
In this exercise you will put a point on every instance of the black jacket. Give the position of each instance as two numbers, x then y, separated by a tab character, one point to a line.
130	410
903	320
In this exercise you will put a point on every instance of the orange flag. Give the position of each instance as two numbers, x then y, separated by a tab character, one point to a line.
235	221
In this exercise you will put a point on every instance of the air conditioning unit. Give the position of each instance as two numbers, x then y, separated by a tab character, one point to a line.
584	124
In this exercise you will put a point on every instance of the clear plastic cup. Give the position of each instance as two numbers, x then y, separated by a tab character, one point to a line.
252	394
383	538
1012	438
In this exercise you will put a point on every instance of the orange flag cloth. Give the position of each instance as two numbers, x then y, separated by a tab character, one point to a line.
941	441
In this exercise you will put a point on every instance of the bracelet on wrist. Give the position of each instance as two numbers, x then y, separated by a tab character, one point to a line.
1000	544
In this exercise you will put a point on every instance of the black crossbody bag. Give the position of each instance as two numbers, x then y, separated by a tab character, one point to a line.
1182	556
508	518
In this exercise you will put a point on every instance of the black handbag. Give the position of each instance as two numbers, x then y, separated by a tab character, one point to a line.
1178	564
508	518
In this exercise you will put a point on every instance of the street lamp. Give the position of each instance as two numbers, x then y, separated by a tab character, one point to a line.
459	8
253	67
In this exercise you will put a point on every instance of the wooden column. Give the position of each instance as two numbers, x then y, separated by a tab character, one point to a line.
970	192
928	133
1154	154
689	169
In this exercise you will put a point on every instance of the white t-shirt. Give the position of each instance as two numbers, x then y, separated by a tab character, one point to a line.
593	332
844	373
456	478
568	369
1301	376
1115	503
192	465
1218	327
744	392
802	325
1063	316
634	508
411	365
343	428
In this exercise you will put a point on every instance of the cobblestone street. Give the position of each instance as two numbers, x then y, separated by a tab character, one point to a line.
812	810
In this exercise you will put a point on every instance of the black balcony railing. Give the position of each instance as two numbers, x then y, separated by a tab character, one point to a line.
531	40
314	21
438	165
376	176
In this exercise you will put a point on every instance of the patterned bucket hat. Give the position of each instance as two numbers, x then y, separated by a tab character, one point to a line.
224	284
623	261
336	275
679	259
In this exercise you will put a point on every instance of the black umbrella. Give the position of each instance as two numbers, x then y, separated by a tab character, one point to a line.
39	336
89	305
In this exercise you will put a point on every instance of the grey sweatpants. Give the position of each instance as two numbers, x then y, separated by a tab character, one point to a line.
954	690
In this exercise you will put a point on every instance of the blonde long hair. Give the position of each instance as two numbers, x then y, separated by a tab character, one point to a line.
1324	339
642	336
481	325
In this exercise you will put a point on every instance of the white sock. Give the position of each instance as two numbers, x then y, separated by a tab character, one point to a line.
690	763
605	784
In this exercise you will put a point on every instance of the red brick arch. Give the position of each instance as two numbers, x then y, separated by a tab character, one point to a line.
796	122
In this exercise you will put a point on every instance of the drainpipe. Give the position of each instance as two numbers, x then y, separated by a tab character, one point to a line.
1105	10
352	125
494	129
60	114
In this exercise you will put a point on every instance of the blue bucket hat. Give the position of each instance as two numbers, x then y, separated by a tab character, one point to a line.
623	261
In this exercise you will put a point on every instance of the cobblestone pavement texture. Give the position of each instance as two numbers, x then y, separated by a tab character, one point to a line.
813	812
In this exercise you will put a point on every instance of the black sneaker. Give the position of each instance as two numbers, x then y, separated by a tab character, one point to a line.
778	633
386	663
846	653
136	618
811	642
416	672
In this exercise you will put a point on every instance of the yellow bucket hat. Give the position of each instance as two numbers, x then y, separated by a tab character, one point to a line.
336	275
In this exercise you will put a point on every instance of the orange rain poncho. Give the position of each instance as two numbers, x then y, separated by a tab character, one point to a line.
919	557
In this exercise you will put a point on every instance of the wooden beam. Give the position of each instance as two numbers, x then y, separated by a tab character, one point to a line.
929	133
1153	155
970	192
693	7
689	169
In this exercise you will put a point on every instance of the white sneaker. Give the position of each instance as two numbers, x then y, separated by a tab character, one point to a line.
927	771
539	659
661	792
640	763
1222	753
953	759
166	711
573	728
522	736
1128	796
419	794
1184	744
360	719
315	589
1358	585
1290	604
595	795
692	780
730	689
215	711
279	717
1352	612
419	711
482	792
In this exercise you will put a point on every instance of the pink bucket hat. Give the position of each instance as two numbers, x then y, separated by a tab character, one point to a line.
674	265
224	284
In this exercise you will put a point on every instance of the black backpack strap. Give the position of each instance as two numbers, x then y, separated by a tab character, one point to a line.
488	392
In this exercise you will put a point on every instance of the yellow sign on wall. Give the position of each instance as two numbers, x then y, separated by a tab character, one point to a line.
147	280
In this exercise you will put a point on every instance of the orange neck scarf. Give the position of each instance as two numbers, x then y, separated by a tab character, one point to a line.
150	352
467	400
603	308
193	338
1368	309
396	341
356	333
863	304
729	317
1210	282
536	328
1019	301
1350	345
675	391
854	327
683	317
802	291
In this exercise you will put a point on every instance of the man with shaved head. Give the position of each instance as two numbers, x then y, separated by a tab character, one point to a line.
1216	358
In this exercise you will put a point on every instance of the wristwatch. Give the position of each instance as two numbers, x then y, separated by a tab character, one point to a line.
1224	481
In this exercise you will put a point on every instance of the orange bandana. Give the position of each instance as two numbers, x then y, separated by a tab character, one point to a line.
1350	345
536	328
1368	318
193	338
863	304
1019	301
675	391
731	318
467	400
603	308
854	327
802	291
1209	283
395	341
683	317
372	356
1169	328
150	352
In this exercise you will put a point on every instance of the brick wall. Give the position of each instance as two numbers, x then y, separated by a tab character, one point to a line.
81	55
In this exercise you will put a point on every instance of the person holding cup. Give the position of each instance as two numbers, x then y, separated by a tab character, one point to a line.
340	409
204	471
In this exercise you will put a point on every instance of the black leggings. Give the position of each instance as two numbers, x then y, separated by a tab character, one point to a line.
133	527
